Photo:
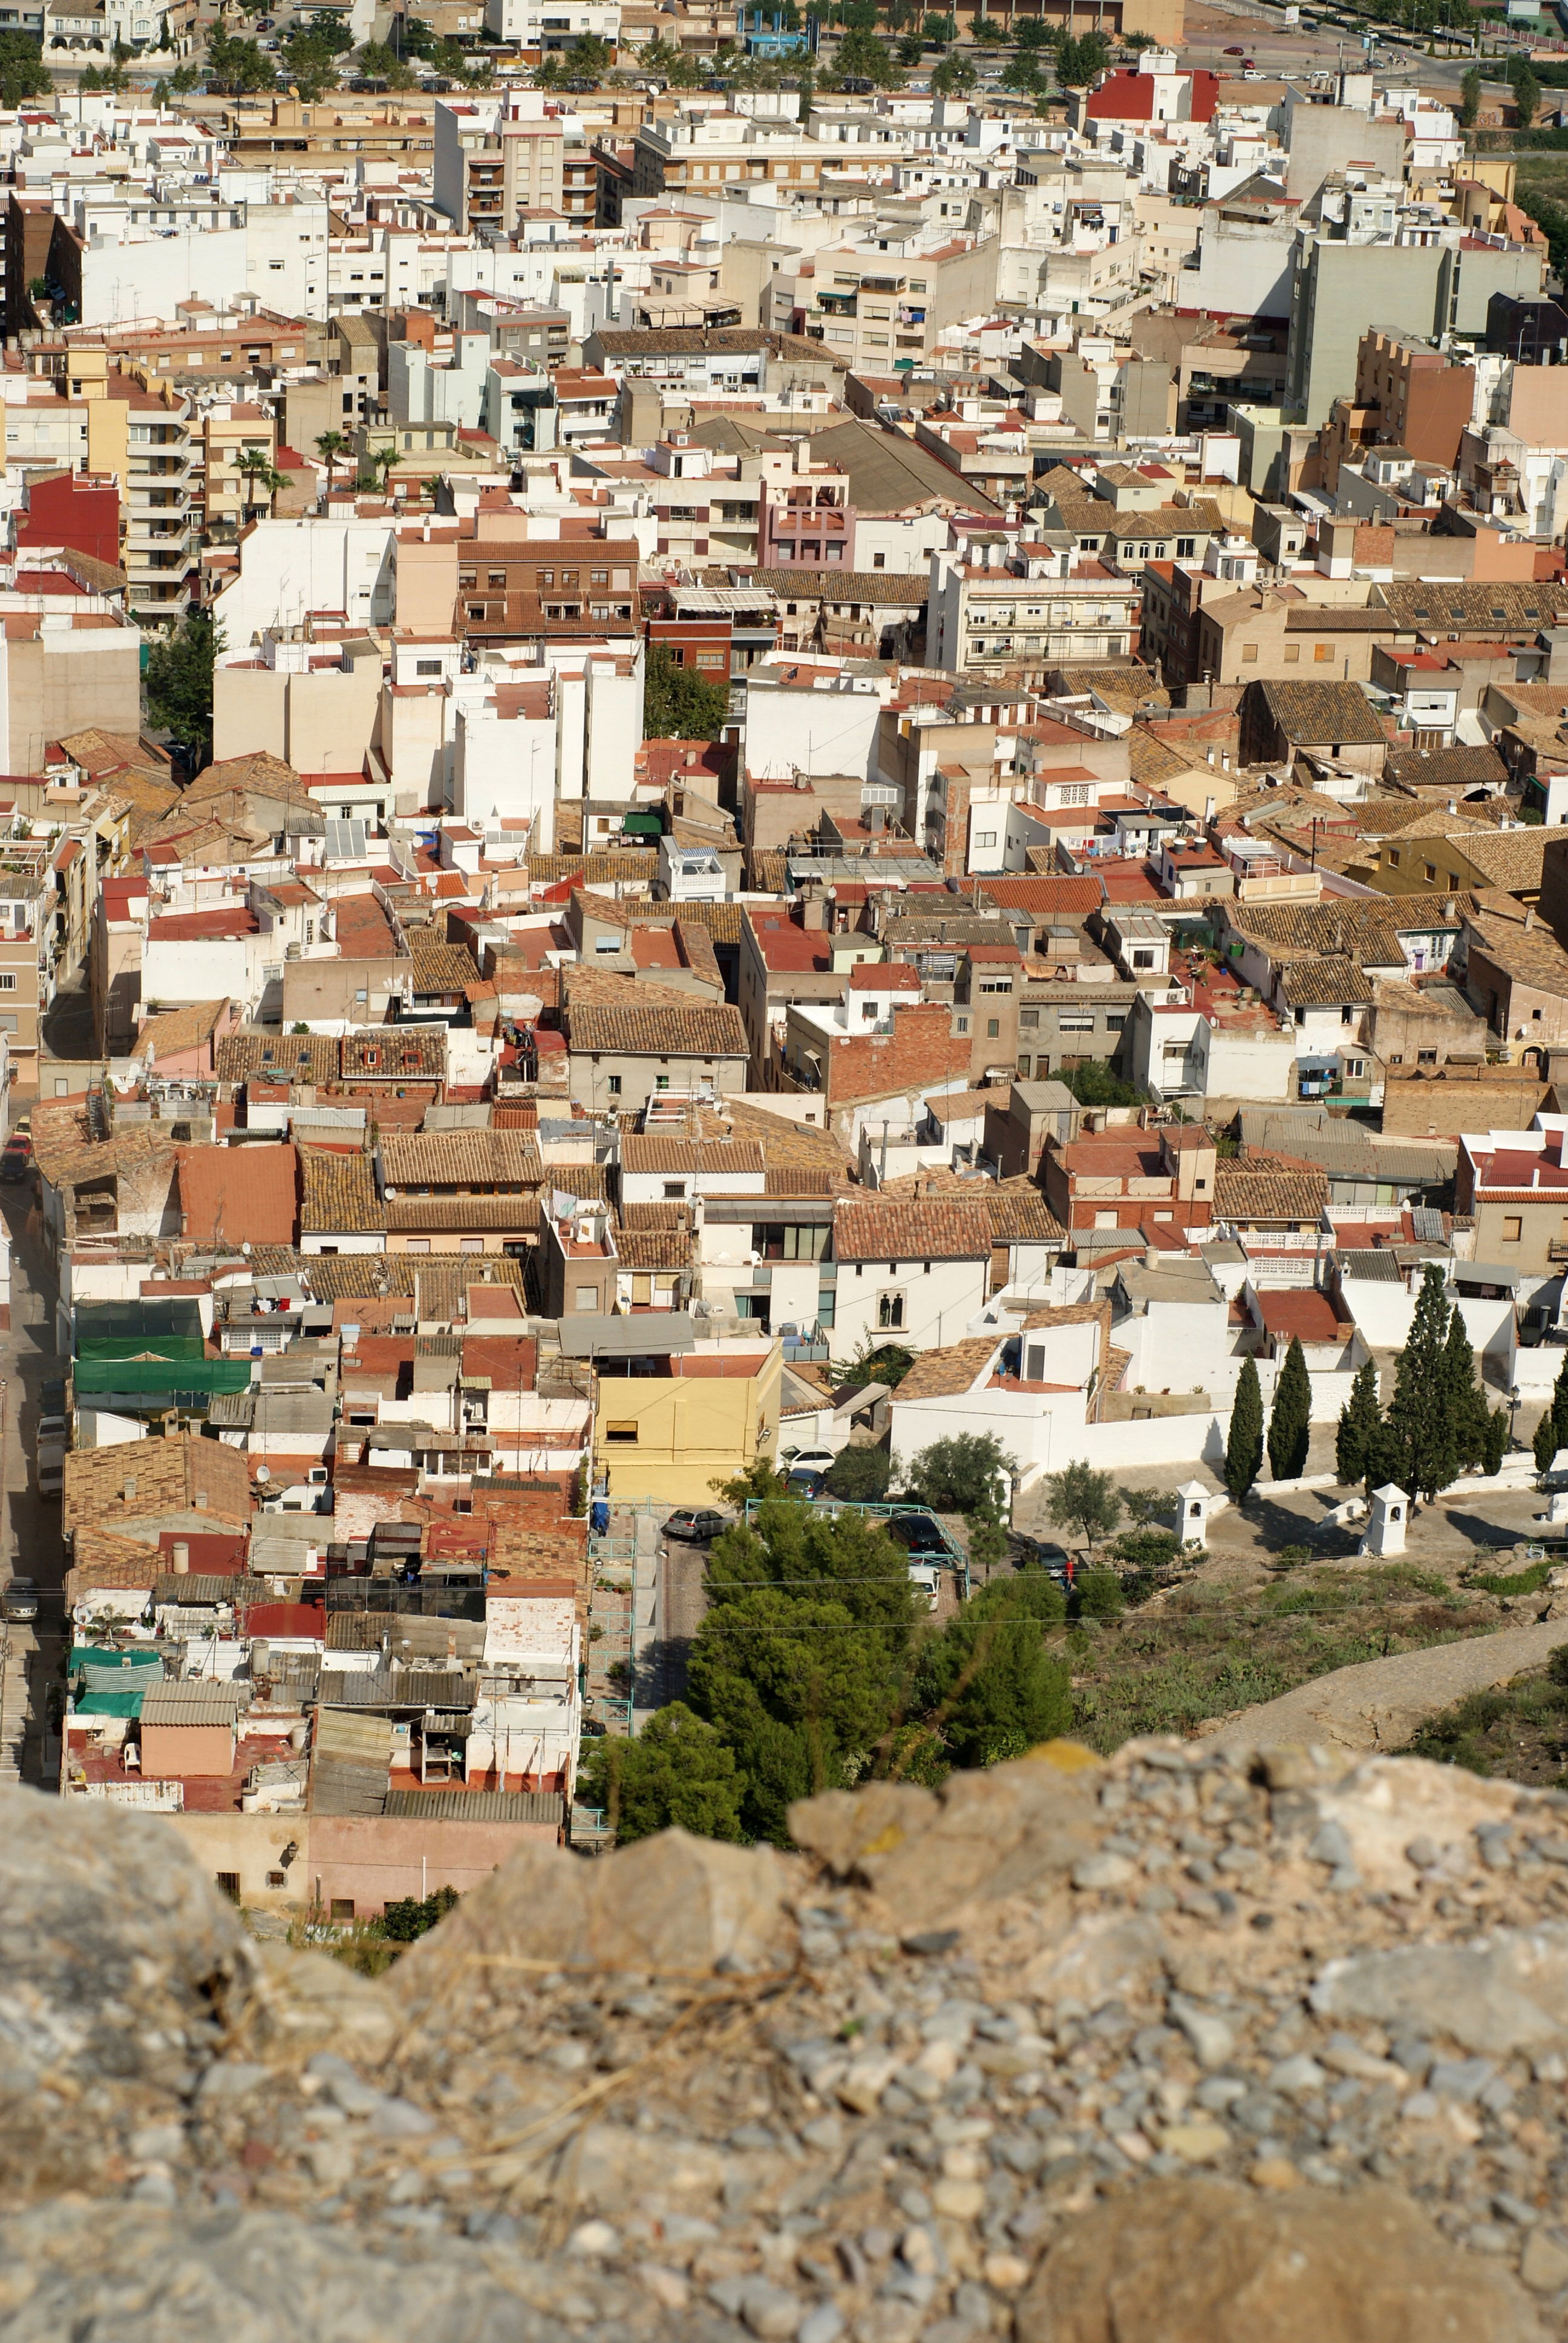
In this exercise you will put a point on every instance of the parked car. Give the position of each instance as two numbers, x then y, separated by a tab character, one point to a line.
51	1469
927	1578
809	1459
697	1522
16	1157
1235	50
52	1430
805	1480
19	1600
918	1533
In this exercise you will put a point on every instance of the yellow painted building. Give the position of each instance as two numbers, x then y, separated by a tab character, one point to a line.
669	1437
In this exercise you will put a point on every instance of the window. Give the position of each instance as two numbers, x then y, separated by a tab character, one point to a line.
587	1298
7	981
228	1885
890	1309
985	838
623	1434
1430	869
1070	1020
1322	651
674	1190
1029	1018
1116	1023
1426	1057
1249	654
342	1908
992	1028
1292	654
276	1878
1394	857
963	1024
1512	1228
428	667
879	560
827	1306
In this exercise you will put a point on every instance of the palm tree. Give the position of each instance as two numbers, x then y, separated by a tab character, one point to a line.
257	470
329	447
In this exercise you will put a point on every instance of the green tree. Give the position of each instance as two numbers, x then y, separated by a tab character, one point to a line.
911	49
239	66
1033	34
179	685
1083	1498
331	446
859	1475
1496	1443
1290	1417
952	77
1551	1431
677	705
1361	1419
679	1771
1094	1083
986	33
962	1474
1469	97
1244	1444
940	29
382	62
23	74
864	57
876	1363
408	1917
1097	1595
1079	63
588	55
1527	94
1022	73
1423	1439
1151	1507
988	1684
258	472
183	79
761	1479
1469	1414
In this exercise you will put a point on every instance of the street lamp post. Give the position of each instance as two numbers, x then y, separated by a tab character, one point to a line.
1514	1396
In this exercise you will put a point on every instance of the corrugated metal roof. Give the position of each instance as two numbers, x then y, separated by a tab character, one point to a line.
338	1785
1369	1265
196	1701
377	1688
478	1805
186	1587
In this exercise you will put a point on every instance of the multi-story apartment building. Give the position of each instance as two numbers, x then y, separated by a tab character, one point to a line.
231	430
698	156
163	504
497	159
542	28
1038	612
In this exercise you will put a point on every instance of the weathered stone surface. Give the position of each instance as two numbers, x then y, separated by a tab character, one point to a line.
1013	1830
305	2001
1508	1991
672	1904
113	1940
1208	2261
1102	1959
260	2278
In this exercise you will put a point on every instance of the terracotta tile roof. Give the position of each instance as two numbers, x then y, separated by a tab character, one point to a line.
460	1158
1509	858
305	1058
234	1195
1456	768
439	967
1067	898
654	1248
1315	714
384	1051
180	1475
339	1194
871	1229
1307	984
945	1374
643	1152
1446	603
1532	956
1263	1189
468	1215
178	1029
657	1023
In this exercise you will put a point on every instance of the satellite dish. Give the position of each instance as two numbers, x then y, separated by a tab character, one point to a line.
264	1472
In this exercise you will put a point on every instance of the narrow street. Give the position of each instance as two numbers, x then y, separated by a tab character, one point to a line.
32	1540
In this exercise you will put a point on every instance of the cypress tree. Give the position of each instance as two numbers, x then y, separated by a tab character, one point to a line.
1244	1445
1467	1409
1360	1420
1423	1439
1496	1447
1290	1417
1551	1431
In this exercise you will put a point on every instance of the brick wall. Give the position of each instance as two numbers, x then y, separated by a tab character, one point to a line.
921	1049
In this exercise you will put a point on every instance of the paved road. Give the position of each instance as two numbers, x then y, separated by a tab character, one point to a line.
1382	1704
30	1541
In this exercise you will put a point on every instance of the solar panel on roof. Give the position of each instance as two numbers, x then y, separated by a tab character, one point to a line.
1426	1225
344	842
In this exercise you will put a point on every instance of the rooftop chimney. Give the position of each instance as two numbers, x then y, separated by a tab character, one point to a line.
182	1557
